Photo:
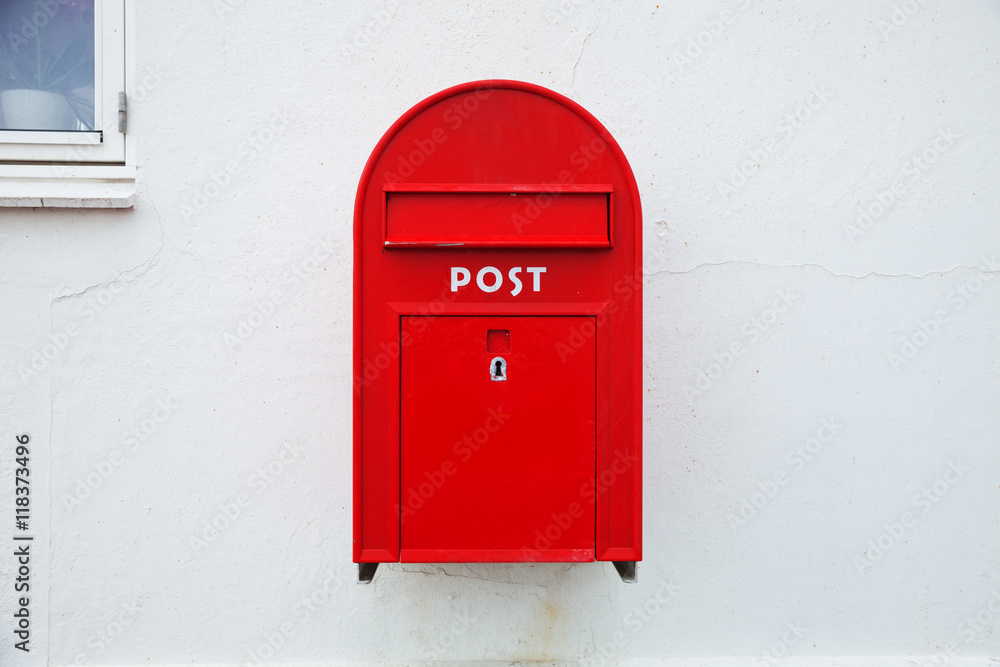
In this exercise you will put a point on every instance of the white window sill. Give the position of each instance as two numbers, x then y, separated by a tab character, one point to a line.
40	186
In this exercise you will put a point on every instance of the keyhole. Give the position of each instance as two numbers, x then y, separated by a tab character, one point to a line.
498	369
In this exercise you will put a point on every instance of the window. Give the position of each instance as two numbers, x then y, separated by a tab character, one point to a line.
62	99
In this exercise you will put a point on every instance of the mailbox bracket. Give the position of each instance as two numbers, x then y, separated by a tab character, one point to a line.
626	570
366	572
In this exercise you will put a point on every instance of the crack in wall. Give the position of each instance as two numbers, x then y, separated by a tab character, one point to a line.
583	45
808	265
148	263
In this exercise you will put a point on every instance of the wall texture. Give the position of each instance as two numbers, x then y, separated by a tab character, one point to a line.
822	307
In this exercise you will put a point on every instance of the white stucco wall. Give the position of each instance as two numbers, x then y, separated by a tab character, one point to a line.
773	264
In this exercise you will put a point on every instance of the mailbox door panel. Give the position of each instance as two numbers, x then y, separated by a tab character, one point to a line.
497	439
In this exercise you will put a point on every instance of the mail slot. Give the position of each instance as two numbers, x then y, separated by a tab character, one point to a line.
505	216
497	336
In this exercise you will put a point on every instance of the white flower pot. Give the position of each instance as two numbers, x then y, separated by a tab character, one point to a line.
26	109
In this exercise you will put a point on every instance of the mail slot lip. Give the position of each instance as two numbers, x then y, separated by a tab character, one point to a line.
600	236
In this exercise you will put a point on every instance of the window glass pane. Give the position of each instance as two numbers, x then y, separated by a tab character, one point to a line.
47	64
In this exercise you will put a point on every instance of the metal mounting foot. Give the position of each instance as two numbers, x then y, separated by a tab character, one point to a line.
626	569
366	572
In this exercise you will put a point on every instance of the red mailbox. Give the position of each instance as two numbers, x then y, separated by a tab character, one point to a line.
497	336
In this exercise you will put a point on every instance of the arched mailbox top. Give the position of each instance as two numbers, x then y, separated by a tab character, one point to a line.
497	163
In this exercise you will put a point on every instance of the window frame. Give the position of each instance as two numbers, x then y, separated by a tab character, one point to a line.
105	144
100	179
